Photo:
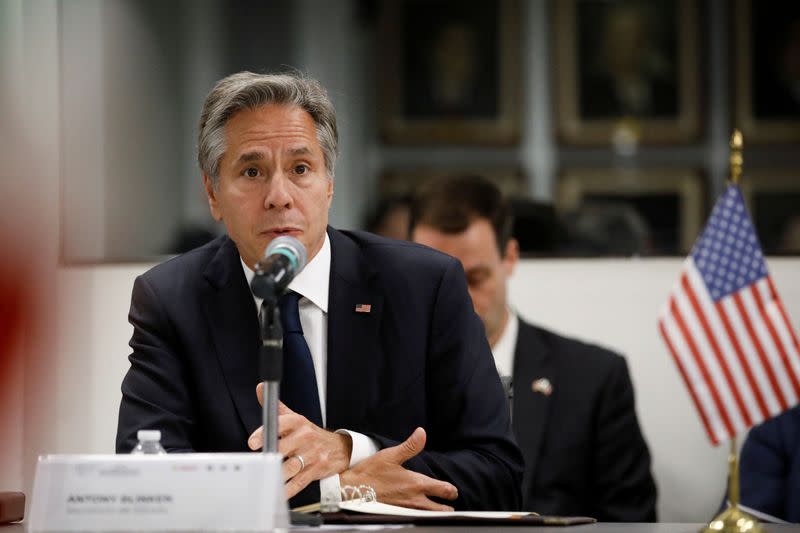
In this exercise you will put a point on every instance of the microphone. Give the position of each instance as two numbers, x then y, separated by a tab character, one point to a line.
283	259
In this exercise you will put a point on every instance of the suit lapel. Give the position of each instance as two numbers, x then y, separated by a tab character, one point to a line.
531	410
353	336
233	323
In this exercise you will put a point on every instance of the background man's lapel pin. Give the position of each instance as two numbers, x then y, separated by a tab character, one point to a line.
363	308
543	386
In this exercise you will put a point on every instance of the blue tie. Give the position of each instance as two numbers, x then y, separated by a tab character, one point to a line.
298	388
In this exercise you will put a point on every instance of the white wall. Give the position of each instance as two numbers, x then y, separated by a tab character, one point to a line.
612	302
92	348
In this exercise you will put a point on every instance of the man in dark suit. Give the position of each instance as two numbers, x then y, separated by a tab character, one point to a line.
573	407
383	343
770	468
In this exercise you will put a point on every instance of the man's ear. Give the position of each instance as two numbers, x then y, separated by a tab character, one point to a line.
211	193
330	192
511	256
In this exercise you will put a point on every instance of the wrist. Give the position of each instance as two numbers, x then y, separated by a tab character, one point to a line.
347	477
356	476
345	450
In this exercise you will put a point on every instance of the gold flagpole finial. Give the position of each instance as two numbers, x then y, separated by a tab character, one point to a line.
737	142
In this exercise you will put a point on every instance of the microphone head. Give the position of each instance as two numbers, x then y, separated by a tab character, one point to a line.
283	259
291	248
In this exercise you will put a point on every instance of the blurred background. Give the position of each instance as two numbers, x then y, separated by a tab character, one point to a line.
609	121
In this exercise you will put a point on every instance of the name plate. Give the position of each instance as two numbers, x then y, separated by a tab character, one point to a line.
201	492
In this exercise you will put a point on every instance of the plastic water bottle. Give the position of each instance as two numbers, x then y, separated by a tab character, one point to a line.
149	443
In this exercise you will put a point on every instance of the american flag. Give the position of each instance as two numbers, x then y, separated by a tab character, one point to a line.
727	329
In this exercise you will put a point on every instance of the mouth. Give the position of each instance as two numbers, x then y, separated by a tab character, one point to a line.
281	231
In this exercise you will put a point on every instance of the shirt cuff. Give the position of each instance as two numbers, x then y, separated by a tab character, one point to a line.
330	489
363	447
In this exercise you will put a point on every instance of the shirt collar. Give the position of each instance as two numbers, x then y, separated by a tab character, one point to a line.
312	282
503	350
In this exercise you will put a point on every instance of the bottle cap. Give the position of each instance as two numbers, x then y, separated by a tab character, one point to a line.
148	434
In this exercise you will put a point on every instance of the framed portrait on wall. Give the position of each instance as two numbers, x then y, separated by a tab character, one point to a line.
773	199
450	72
766	69
660	211
626	71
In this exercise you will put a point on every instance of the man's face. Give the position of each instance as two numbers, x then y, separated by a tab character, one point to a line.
272	182
486	270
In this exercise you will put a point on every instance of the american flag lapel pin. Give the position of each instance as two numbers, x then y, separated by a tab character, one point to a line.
542	386
363	308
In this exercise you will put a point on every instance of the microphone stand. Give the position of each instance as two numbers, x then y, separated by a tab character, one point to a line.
283	258
271	369
270	356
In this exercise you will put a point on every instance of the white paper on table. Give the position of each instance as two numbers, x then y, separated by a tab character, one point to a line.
395	510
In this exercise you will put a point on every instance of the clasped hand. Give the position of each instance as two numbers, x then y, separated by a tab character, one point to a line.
325	453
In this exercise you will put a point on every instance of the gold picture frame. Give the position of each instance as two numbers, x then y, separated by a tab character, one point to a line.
766	102
450	72
773	200
670	201
623	74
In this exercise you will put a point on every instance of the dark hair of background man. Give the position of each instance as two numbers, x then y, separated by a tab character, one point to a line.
450	205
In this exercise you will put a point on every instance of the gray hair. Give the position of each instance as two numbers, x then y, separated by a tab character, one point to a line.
247	90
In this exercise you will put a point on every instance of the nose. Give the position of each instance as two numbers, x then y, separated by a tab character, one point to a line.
278	195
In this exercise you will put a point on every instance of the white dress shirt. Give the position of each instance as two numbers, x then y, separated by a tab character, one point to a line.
503	349
312	285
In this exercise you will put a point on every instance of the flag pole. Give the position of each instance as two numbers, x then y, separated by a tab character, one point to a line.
733	519
733	474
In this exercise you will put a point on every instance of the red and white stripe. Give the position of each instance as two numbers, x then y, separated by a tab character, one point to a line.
739	356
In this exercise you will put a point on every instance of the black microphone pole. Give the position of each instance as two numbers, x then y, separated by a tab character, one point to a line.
271	369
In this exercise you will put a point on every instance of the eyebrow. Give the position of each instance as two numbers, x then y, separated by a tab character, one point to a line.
250	156
303	150
479	269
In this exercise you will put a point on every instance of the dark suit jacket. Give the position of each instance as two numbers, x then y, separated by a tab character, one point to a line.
584	452
770	467
419	358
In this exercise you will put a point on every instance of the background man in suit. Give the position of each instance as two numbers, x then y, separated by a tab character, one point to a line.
769	471
388	342
573	405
